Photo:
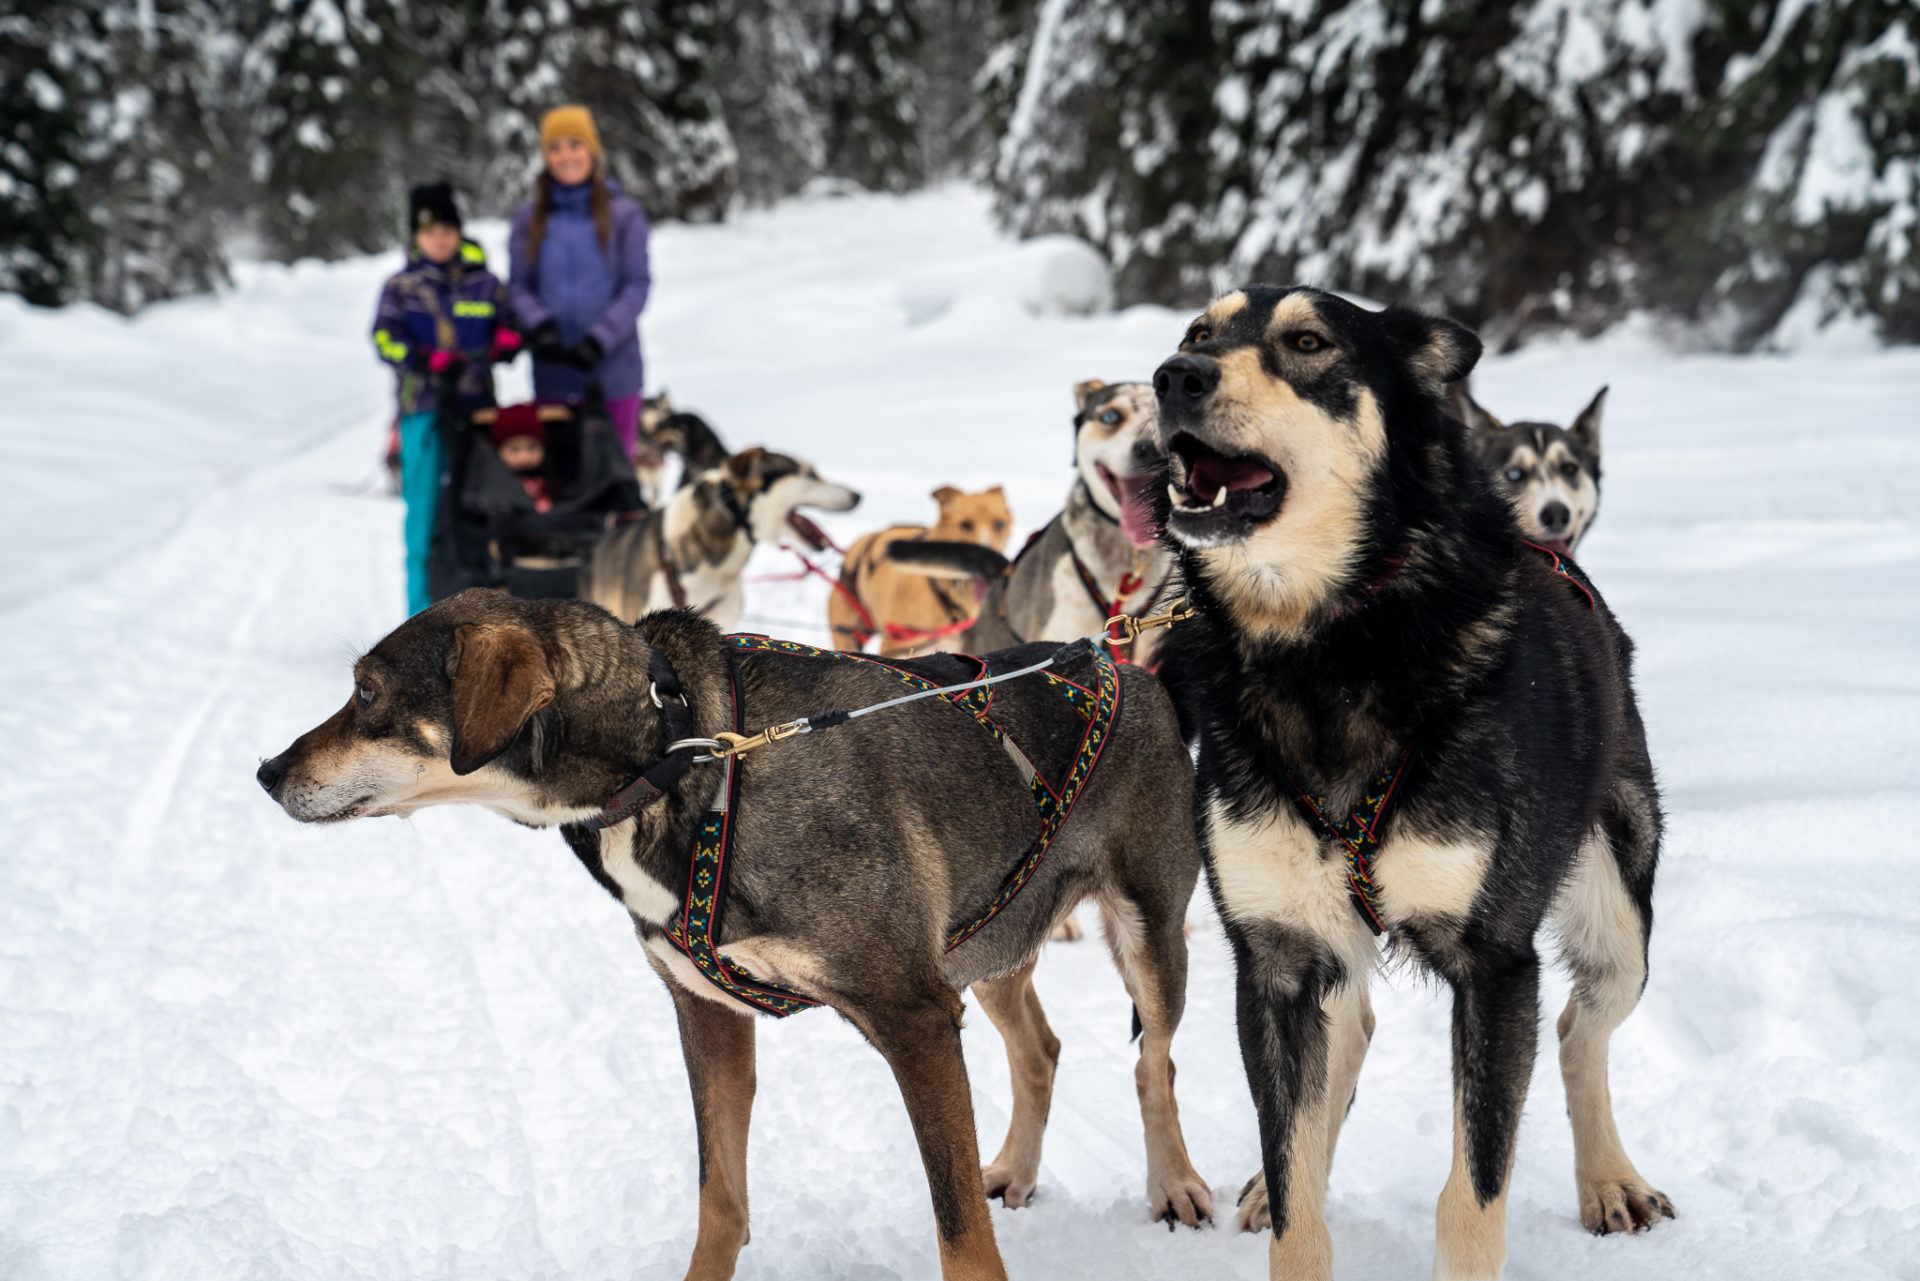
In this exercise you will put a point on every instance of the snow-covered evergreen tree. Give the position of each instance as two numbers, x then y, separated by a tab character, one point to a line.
872	98
335	93
157	168
51	66
1110	138
769	90
1522	163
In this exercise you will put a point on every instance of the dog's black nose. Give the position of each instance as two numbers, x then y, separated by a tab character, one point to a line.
1554	518
1183	381
270	773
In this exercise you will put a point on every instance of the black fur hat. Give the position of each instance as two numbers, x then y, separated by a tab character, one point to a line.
430	204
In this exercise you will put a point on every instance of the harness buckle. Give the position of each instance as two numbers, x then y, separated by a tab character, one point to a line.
653	690
1131	627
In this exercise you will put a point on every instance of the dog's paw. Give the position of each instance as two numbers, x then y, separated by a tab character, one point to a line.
1253	1216
1013	1187
1622	1205
1068	931
1184	1199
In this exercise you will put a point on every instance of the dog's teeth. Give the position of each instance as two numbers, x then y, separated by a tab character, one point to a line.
1220	497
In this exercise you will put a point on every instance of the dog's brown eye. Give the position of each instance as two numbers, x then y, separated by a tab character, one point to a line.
1569	469
1111	417
1199	333
966	526
1308	342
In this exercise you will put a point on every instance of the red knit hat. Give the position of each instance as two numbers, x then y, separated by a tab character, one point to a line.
517	420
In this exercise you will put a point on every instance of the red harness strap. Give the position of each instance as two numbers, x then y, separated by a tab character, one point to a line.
1130	583
1567	570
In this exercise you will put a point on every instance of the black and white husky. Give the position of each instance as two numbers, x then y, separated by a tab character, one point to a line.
1551	474
1376	657
693	551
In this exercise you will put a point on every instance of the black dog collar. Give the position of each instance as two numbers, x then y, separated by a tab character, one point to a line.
657	778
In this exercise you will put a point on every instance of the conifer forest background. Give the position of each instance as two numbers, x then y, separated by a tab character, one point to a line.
1526	165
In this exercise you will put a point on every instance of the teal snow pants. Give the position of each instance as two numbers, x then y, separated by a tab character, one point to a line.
422	460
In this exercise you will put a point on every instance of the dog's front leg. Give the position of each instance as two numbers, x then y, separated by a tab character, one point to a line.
1496	1018
1293	992
918	1032
718	1045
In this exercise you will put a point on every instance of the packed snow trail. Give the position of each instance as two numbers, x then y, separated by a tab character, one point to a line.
233	1046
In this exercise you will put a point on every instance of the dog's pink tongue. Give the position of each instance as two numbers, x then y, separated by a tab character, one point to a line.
1213	473
1136	519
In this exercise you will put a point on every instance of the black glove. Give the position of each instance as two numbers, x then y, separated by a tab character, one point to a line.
586	353
546	344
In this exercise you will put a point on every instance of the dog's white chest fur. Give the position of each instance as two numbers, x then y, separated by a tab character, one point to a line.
645	897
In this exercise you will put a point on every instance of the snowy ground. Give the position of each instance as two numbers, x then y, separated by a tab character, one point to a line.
231	1046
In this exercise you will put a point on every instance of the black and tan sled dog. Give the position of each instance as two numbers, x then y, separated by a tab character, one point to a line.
1376	659
879	869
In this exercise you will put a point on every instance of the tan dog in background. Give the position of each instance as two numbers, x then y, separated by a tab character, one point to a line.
911	611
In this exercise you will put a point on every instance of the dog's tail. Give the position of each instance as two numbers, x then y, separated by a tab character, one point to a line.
938	559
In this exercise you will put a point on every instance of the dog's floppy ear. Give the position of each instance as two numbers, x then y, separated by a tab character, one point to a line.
500	679
1437	351
1586	428
1462	405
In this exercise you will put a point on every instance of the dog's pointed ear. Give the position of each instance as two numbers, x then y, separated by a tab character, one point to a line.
741	466
1437	351
501	677
1586	428
1462	405
946	494
1083	392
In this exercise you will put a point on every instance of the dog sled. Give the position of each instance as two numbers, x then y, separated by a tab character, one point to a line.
489	532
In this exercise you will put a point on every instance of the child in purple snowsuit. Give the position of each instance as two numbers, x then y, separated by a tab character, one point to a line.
442	322
580	275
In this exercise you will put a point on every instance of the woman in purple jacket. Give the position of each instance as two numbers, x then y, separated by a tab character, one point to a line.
579	258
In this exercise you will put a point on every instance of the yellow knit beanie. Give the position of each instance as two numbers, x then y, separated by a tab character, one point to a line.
571	121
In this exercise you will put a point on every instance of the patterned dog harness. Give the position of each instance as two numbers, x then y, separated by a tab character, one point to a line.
696	931
1358	834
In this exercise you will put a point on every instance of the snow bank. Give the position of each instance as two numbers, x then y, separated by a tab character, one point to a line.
231	1046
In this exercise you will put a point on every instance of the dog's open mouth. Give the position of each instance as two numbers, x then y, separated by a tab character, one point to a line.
1130	495
1218	497
810	534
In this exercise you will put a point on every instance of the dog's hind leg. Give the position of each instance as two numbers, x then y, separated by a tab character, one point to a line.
718	1045
918	1033
1149	947
1496	1024
1033	1051
1603	931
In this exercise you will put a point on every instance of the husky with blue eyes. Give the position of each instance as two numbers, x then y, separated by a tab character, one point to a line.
1377	656
1551	474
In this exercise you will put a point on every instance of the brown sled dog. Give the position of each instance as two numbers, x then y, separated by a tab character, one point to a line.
866	869
914	612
